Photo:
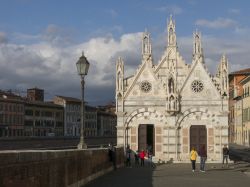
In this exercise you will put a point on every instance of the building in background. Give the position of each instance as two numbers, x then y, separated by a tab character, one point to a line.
35	94
246	111
42	118
11	115
72	117
32	116
236	105
90	124
107	120
72	114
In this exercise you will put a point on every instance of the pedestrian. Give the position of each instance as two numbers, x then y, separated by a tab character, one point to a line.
110	150
128	156
114	157
203	157
193	156
150	159
136	156
142	157
225	151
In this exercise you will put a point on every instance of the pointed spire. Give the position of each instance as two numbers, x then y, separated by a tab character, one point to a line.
222	74
119	74
197	48
171	32
224	59
146	46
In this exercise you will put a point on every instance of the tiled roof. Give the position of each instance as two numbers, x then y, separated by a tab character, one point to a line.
245	80
9	95
69	98
41	103
243	71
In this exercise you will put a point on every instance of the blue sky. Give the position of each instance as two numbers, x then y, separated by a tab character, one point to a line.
40	41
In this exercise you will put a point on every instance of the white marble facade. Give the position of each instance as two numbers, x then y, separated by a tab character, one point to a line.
173	97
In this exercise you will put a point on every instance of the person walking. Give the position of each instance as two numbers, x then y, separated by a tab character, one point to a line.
110	150
225	151
150	159
128	156
114	157
136	155
193	156
142	157
203	156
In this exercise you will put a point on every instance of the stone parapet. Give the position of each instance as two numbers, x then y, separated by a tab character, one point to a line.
55	168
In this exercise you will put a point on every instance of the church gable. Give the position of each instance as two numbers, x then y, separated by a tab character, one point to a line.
199	85
145	84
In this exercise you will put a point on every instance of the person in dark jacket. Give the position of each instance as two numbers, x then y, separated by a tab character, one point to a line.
128	156
203	157
136	156
225	151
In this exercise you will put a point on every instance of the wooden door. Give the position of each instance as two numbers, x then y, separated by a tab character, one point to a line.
198	136
142	137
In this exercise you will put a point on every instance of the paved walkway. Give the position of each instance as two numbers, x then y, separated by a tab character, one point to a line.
176	175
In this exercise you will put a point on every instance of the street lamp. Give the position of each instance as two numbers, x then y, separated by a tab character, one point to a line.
82	66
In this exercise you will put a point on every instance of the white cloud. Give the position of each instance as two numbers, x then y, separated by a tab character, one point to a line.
3	38
20	37
216	24
171	9
237	50
52	67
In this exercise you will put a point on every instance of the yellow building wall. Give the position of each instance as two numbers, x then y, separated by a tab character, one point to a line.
246	115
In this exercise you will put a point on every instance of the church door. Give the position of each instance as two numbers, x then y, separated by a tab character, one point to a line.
146	136
198	136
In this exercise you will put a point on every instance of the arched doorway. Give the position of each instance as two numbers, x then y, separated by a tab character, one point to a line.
146	137
198	136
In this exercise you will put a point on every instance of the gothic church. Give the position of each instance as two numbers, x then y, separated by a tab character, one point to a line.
173	106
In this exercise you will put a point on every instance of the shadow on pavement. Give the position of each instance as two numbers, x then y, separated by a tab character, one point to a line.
125	177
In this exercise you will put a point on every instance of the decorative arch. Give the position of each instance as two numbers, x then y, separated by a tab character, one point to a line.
144	112
200	111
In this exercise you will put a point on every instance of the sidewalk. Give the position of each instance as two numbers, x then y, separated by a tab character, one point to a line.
177	175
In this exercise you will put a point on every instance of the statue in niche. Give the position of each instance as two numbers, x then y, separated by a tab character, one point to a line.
145	45
172	105
171	85
119	81
171	36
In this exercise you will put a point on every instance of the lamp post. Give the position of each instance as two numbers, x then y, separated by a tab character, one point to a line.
82	66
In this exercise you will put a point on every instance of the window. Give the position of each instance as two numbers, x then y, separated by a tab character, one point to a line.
29	112
197	86
37	113
28	123
146	86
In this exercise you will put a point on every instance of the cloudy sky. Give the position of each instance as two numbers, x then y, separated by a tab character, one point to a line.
41	40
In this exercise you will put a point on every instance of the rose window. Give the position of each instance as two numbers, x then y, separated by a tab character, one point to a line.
197	86
145	86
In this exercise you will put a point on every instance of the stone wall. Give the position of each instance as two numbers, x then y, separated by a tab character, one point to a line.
24	143
56	168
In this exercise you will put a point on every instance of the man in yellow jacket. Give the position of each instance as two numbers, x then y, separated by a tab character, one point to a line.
193	156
